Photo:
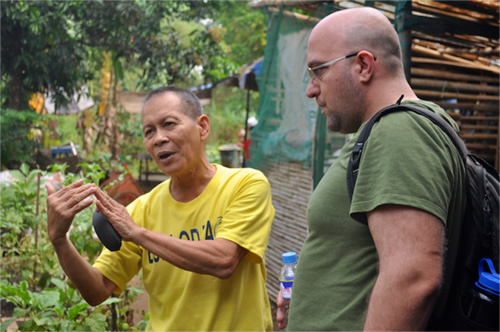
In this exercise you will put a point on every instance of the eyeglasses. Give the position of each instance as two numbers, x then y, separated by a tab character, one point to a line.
310	71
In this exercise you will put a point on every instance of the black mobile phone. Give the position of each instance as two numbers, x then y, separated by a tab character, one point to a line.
106	232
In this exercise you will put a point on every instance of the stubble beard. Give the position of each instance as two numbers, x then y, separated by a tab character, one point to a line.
345	115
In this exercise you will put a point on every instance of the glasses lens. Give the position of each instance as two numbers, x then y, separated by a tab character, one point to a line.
310	73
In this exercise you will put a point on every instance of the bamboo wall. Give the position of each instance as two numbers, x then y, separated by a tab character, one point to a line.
469	95
291	188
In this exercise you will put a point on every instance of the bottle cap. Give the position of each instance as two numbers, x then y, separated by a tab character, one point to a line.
289	257
488	281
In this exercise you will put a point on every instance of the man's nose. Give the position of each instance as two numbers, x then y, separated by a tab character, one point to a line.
161	137
312	89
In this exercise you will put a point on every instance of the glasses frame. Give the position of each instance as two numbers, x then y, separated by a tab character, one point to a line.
310	71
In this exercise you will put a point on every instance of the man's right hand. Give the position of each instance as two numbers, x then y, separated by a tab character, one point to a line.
63	205
281	312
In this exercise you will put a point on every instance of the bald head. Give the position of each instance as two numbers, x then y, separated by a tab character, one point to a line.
356	29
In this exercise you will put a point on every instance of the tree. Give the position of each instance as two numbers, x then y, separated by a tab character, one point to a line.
57	45
243	30
62	45
38	51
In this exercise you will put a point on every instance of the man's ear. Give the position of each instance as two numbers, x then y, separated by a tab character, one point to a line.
204	125
367	62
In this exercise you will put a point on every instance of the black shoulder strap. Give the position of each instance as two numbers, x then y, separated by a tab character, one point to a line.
354	161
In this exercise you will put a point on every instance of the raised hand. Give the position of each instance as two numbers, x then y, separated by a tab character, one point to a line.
63	205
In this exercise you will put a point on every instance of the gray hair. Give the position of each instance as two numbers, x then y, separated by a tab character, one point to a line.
193	107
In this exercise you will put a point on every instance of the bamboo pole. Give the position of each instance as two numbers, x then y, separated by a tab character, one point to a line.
469	106
437	73
441	55
451	95
453	85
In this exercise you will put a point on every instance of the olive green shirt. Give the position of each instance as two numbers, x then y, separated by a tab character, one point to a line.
408	161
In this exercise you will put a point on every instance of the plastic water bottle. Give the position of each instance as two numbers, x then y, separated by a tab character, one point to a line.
287	276
481	304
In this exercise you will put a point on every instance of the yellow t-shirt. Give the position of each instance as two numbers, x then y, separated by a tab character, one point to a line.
236	205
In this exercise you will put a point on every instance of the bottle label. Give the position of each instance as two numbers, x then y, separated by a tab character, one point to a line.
286	288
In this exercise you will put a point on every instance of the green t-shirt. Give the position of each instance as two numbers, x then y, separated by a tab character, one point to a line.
408	161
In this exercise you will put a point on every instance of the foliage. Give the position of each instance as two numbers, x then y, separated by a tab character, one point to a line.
59	308
131	126
32	280
227	112
18	209
243	30
213	154
66	125
17	145
33	34
75	33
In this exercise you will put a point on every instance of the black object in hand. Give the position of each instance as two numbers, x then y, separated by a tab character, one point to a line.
106	232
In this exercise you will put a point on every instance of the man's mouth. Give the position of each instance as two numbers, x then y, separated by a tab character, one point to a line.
165	156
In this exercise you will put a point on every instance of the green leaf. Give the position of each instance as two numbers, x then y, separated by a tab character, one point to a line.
76	309
46	323
46	299
111	300
96	322
21	313
60	284
25	169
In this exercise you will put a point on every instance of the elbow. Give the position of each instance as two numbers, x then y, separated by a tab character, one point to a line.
425	290
94	296
93	299
93	303
226	269
225	272
431	287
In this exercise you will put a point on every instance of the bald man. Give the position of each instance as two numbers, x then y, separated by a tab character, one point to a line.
375	263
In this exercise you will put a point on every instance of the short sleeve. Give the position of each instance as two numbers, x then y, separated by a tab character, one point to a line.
249	215
407	160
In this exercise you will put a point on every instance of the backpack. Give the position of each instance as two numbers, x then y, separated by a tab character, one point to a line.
474	238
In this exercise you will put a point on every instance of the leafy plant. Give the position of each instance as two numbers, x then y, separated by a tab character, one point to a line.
59	308
19	218
16	145
32	280
213	153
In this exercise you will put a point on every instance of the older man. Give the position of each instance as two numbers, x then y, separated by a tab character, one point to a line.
199	237
375	263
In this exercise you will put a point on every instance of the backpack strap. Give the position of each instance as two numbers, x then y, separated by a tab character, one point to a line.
354	161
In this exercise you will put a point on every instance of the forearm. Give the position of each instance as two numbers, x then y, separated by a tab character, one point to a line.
92	285
214	257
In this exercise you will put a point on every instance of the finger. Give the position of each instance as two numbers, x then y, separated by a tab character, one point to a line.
79	198
50	188
65	189
101	195
105	201
279	300
279	315
76	184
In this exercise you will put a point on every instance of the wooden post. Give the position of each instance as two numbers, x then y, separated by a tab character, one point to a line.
403	28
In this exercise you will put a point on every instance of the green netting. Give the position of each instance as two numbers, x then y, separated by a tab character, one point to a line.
290	127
